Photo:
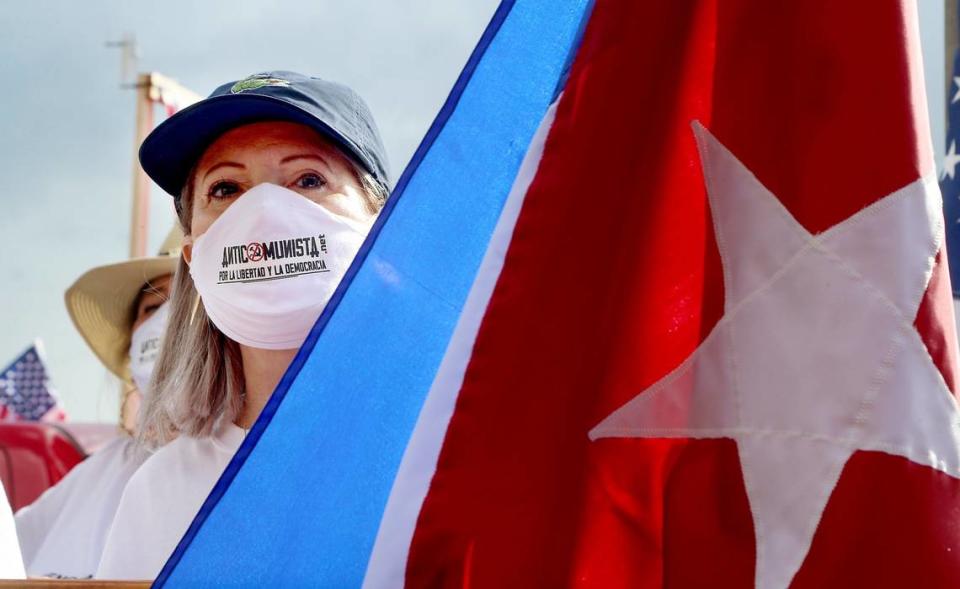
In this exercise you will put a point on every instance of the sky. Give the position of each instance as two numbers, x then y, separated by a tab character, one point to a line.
68	126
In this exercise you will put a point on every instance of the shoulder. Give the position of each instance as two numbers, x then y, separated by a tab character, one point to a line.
63	531
122	454
158	505
180	466
110	466
182	455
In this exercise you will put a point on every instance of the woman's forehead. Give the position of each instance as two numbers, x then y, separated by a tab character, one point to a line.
265	138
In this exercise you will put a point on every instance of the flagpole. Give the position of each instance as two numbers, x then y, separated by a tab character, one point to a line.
140	214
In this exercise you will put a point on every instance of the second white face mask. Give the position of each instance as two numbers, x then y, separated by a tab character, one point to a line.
267	266
145	347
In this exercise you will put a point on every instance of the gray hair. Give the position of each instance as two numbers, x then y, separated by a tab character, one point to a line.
198	380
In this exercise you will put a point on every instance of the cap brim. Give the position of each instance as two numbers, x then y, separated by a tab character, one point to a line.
100	303
171	150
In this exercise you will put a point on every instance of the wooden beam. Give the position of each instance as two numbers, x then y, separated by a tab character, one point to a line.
140	213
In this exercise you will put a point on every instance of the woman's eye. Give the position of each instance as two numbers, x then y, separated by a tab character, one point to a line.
223	189
310	181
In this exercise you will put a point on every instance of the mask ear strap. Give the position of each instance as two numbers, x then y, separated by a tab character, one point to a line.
196	305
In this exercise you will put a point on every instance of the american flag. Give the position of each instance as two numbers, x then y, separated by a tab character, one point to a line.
25	390
950	177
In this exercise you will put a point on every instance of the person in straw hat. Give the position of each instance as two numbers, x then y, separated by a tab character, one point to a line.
109	303
121	311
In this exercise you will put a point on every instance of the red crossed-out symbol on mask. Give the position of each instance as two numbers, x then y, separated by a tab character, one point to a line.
254	251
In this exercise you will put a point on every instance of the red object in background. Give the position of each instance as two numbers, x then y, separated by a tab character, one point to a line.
34	457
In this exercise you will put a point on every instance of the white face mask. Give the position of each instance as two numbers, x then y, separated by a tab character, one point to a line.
267	266
145	346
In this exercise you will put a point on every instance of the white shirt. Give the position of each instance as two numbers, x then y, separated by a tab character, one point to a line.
62	533
161	500
11	564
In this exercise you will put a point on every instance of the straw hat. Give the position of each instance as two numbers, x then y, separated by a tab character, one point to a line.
100	302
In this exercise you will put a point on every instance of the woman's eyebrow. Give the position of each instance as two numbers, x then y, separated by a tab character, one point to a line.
305	156
223	165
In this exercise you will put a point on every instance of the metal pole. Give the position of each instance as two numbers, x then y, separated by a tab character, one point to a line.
140	215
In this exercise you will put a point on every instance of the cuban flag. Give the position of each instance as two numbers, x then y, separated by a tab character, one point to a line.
662	300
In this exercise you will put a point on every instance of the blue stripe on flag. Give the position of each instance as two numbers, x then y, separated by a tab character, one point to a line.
306	506
950	178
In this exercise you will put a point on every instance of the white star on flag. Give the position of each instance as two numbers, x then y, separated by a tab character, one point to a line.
950	161
956	95
815	358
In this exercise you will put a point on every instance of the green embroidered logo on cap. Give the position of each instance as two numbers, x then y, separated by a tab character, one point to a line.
257	81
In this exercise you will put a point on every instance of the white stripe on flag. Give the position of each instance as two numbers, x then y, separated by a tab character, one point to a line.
388	561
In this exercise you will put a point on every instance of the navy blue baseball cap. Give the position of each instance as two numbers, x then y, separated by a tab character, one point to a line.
335	111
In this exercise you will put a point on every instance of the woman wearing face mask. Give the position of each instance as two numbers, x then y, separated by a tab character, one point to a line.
121	311
277	179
